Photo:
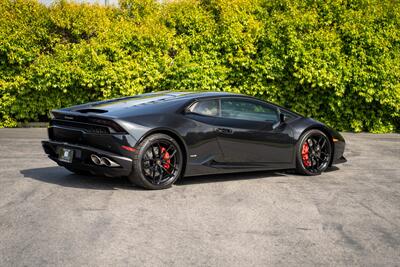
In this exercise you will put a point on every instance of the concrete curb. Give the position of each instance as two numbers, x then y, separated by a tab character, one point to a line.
32	125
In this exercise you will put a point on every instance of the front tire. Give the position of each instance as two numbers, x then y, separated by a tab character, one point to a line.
313	153
158	162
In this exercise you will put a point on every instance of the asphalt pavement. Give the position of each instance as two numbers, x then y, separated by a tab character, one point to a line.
349	216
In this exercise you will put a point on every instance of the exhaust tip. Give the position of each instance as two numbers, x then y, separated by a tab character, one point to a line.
109	163
96	160
103	161
106	161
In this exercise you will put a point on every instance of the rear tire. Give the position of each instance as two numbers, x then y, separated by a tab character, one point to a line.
157	163
313	153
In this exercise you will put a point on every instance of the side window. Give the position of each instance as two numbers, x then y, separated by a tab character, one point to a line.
247	110
206	107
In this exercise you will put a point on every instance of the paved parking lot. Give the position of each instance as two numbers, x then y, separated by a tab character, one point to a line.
347	216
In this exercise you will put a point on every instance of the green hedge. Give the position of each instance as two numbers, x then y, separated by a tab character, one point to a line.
337	61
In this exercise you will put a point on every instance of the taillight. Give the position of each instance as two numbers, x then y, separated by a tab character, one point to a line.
113	125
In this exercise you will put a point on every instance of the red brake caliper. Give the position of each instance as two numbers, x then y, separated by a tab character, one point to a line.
167	163
304	155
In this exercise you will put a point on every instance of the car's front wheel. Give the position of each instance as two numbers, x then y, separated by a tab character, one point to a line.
158	162
314	152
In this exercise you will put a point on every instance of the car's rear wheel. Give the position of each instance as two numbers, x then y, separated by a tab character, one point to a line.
313	153
158	162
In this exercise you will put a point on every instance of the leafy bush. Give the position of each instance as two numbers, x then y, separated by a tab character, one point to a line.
337	61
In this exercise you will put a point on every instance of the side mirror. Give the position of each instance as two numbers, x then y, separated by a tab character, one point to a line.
281	120
187	111
281	117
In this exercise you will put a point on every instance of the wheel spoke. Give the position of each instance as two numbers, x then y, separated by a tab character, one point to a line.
160	177
153	174
324	143
316	144
318	157
170	146
173	154
159	150
169	171
314	161
153	152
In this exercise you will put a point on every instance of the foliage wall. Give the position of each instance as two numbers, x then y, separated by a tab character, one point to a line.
337	61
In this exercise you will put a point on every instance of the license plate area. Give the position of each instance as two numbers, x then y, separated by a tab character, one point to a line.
66	154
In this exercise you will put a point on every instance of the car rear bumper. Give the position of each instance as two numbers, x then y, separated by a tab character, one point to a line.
81	159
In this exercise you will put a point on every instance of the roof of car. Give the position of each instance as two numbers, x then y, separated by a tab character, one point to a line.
169	95
160	97
192	94
155	102
142	100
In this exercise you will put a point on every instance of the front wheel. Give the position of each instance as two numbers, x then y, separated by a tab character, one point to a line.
158	162
313	153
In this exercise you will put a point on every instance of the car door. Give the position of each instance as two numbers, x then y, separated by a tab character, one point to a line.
249	131
201	137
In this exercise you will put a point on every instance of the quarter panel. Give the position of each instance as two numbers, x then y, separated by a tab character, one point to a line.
196	132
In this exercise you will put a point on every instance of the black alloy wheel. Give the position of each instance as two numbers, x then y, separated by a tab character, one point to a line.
158	163
314	153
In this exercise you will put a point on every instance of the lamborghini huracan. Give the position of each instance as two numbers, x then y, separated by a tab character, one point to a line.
156	138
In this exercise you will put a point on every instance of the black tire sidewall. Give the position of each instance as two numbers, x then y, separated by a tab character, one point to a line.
137	176
299	161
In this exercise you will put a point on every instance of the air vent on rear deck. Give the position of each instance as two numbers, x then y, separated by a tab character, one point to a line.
91	110
89	128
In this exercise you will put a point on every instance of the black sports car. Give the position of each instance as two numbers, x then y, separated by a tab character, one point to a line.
155	138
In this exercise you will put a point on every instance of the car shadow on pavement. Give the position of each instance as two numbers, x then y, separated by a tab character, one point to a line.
219	178
60	176
332	169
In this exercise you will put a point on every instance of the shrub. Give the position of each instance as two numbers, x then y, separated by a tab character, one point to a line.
337	61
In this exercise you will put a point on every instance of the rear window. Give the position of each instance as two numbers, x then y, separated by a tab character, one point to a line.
206	107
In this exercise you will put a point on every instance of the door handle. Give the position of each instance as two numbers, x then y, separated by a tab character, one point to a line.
224	130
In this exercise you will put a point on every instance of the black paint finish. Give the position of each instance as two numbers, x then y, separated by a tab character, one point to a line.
211	144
